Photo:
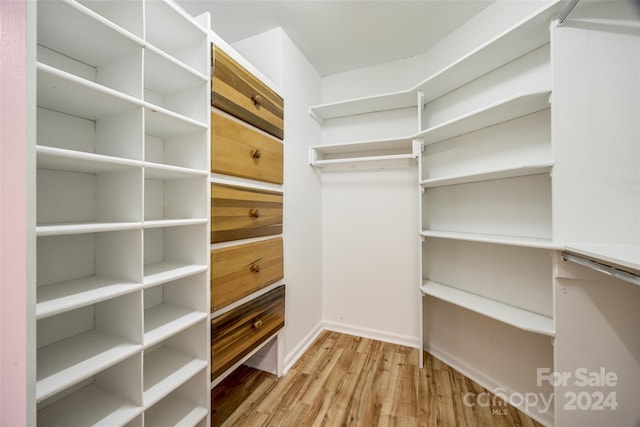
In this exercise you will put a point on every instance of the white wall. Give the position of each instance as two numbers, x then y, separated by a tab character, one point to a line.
300	86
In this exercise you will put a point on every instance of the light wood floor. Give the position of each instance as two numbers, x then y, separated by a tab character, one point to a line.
344	380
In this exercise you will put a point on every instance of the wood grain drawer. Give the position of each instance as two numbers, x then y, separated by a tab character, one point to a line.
239	213
238	271
239	93
240	150
236	333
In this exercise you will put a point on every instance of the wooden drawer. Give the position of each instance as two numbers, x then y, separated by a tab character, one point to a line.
239	93
240	150
239	213
238	271
236	333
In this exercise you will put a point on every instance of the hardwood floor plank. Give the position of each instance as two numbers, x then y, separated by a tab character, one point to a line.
348	381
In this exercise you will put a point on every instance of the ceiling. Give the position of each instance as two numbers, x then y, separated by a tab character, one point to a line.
338	36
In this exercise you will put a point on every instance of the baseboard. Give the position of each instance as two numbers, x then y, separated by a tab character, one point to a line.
374	334
483	380
295	354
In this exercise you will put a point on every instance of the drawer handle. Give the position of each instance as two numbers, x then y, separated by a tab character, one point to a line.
257	324
256	154
255	268
254	213
257	100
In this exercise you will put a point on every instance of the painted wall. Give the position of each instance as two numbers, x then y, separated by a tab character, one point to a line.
13	213
300	86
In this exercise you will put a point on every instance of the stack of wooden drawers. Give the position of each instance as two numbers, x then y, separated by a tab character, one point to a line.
246	218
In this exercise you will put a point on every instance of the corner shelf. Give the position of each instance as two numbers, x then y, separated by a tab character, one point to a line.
525	36
528	242
505	313
491	174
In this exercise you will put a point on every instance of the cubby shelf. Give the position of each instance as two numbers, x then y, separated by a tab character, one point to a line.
164	320
175	411
165	369
68	295
162	272
505	313
528	242
90	405
70	361
486	175
67	93
523	37
121	173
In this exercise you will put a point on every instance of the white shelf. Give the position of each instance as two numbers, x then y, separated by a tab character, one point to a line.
107	42
164	320
84	227
164	74
64	92
64	296
78	161
175	411
239	182
164	123
89	406
626	256
162	272
502	111
527	242
160	171
70	361
525	36
365	154
162	223
487	175
505	313
165	369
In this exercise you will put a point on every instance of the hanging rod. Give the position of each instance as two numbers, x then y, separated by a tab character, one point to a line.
603	268
567	10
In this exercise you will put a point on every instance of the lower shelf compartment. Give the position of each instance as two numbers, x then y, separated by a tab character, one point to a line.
165	369
68	362
89	405
175	411
514	316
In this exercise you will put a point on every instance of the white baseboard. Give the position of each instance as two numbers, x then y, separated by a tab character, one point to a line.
405	340
295	354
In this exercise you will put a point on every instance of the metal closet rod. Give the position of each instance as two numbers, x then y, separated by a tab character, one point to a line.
567	10
603	268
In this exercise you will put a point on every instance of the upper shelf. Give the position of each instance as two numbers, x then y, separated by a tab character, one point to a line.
501	111
525	36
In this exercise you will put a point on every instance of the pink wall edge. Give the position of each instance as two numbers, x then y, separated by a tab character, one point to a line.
13	213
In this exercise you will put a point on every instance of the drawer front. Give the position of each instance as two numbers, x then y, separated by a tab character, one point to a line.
239	93
240	270
240	150
236	333
238	213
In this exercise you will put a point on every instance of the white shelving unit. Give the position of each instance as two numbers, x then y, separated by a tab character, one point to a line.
122	215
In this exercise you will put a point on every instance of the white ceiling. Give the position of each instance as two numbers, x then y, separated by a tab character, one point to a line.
338	36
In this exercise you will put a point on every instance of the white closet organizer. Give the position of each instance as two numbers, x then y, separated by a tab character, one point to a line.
513	43
122	215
